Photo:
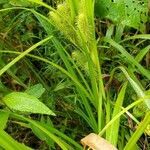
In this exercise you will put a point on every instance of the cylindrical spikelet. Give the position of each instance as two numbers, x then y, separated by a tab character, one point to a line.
61	19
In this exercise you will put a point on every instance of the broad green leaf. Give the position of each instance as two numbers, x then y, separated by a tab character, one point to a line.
36	90
24	102
8	143
3	120
132	13
76	82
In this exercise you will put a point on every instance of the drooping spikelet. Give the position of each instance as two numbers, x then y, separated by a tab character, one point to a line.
80	60
83	24
80	31
62	21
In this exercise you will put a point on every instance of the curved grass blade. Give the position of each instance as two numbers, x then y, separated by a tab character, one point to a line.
139	131
122	112
60	134
5	68
53	64
142	53
59	141
139	36
41	18
7	142
128	57
114	129
83	91
3	120
135	86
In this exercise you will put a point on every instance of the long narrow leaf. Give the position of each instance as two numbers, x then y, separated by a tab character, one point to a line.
6	67
8	143
80	89
114	129
3	120
60	142
122	112
139	131
142	53
139	36
129	57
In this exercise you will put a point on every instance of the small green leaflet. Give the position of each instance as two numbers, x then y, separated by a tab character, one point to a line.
23	102
36	90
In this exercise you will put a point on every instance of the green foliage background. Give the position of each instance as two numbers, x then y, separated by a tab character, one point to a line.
72	67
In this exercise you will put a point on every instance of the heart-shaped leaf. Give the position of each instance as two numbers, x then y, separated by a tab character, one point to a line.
24	102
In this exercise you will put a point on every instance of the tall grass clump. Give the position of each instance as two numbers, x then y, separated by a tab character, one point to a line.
74	70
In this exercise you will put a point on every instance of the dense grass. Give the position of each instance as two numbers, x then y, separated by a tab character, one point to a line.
68	69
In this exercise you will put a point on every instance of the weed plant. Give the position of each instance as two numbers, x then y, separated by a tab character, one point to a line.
73	67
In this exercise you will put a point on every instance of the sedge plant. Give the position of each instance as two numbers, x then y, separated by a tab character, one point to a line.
81	64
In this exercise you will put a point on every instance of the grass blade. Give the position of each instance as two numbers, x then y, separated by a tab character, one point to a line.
83	92
3	120
114	128
128	57
135	86
141	128
6	67
142	53
60	142
122	112
139	36
7	142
